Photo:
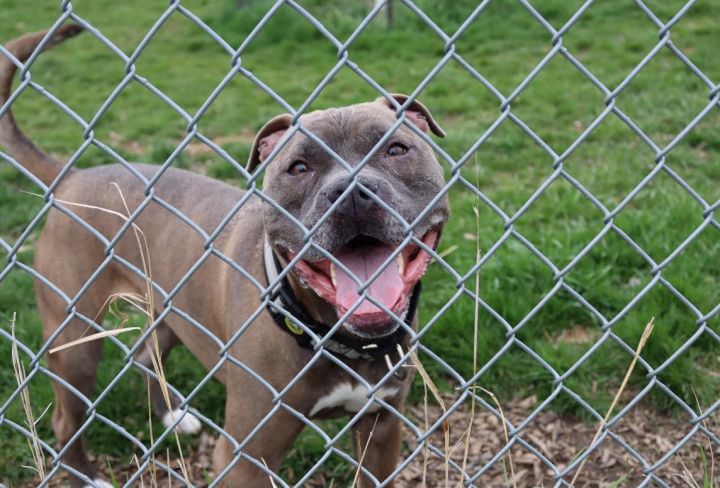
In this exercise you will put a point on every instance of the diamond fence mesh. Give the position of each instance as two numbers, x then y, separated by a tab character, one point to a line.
424	433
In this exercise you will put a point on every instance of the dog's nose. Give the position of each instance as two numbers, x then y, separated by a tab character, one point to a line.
358	202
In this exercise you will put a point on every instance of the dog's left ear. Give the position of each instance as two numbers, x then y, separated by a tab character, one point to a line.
417	113
267	139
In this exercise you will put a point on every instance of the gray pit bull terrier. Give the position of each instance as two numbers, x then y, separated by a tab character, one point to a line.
217	299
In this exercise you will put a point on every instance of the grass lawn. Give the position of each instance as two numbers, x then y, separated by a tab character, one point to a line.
504	44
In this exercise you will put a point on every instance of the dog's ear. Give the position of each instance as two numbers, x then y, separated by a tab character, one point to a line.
417	113
267	139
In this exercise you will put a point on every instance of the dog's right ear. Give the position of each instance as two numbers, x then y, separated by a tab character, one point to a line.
417	113
267	139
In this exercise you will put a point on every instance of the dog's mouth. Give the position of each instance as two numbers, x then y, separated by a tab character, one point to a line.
363	257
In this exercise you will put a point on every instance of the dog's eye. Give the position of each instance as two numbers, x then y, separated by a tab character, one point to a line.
396	149
298	167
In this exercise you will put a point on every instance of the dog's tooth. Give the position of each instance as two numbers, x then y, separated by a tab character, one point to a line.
333	275
401	264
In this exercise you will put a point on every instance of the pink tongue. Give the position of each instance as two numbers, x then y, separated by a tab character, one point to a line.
363	262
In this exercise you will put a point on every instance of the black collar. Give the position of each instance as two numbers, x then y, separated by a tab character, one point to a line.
343	346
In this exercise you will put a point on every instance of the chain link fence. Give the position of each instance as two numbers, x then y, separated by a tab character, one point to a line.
420	435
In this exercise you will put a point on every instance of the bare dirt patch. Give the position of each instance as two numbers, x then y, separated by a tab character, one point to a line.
557	438
560	440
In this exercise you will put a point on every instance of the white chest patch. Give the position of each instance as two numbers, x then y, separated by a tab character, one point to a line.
351	398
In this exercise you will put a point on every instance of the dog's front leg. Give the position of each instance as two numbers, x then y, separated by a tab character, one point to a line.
376	441
245	410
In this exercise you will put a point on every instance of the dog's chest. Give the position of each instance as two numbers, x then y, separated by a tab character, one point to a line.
351	397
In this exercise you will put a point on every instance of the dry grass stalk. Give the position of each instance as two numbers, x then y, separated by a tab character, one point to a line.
448	251
687	475
643	339
167	457
356	479
155	355
115	312
428	382
36	451
710	443
135	300
504	422
476	314
153	465
272	481
93	337
135	459
426	449
146	305
111	298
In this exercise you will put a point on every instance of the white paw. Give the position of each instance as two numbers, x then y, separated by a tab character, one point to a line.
189	424
97	482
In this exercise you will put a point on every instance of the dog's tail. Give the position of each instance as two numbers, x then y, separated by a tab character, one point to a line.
17	145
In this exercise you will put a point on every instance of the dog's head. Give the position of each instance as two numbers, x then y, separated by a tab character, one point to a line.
399	185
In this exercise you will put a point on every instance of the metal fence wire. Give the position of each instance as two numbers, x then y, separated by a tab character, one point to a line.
417	435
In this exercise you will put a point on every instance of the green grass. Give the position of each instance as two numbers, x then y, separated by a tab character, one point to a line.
504	44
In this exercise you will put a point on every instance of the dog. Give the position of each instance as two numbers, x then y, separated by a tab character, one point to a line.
211	266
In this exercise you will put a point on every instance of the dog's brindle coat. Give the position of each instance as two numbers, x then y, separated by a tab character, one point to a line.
404	174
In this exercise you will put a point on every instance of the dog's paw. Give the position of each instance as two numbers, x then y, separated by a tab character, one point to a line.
189	424
98	483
